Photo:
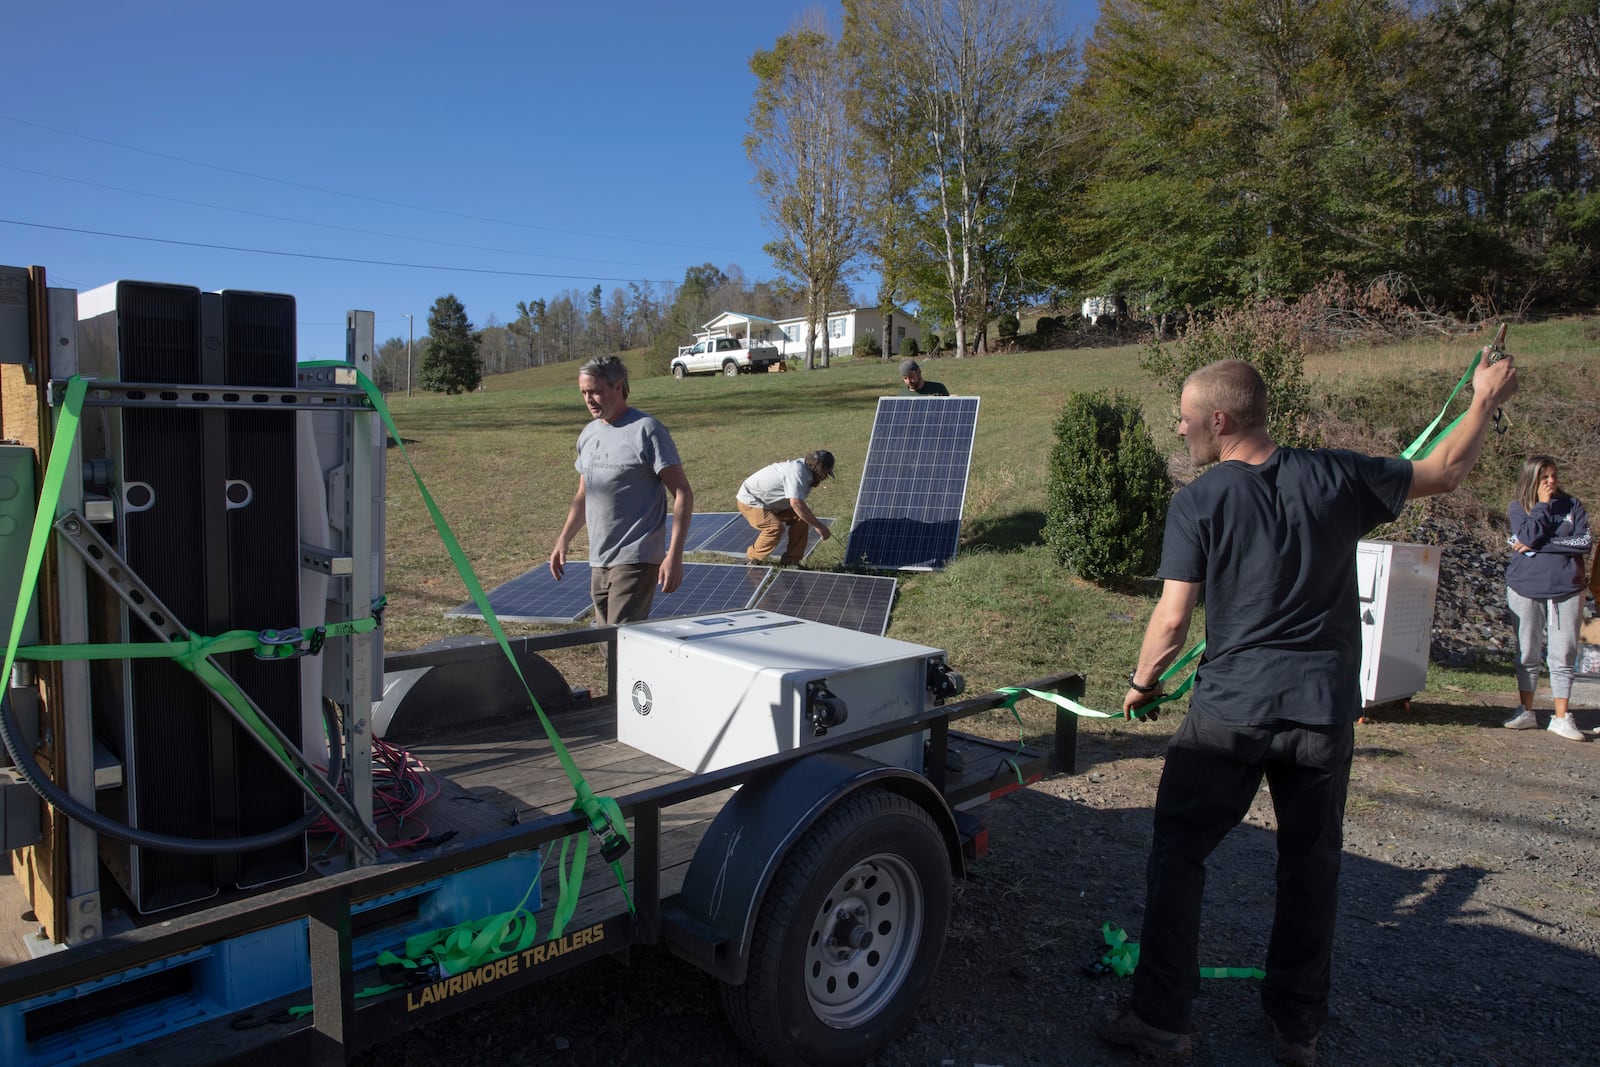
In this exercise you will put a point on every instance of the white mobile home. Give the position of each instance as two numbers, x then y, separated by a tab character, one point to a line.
846	328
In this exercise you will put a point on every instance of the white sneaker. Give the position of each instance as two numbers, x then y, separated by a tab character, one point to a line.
1522	720
1563	726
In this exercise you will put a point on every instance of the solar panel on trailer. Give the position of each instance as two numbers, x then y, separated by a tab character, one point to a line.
913	483
736	538
537	597
709	587
704	525
854	601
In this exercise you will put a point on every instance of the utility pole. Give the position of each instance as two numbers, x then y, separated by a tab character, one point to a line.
411	333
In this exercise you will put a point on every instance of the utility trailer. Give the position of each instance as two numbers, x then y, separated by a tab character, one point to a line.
813	880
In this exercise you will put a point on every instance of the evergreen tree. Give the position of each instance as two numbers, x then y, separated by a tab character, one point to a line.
450	359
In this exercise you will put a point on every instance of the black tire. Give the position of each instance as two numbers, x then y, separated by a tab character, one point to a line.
873	869
731	369
678	372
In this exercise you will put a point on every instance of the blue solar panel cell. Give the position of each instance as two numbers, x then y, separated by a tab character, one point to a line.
913	483
854	601
703	526
708	587
537	597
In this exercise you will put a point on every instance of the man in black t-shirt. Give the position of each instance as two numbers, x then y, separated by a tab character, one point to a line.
911	374
1270	534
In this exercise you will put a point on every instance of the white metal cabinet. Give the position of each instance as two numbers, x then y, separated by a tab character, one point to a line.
709	691
1397	584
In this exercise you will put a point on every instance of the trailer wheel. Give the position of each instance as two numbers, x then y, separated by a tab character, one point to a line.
678	371
730	368
848	937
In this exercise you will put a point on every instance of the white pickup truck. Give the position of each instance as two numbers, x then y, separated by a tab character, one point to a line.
728	355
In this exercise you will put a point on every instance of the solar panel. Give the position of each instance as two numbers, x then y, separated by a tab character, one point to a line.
537	597
737	537
703	526
913	484
711	587
854	601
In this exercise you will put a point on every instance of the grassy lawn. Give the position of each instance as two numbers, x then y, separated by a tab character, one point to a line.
499	462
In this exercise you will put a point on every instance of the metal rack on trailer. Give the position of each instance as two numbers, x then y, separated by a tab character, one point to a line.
729	867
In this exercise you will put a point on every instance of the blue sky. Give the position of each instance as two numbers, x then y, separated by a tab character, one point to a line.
534	148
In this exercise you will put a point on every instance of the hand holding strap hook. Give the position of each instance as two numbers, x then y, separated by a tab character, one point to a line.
1497	352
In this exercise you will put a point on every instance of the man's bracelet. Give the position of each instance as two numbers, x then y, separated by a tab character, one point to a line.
1137	688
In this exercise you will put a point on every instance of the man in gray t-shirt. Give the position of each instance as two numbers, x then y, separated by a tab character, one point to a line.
625	459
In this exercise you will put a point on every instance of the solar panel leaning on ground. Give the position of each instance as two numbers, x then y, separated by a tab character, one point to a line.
537	597
854	601
737	537
913	484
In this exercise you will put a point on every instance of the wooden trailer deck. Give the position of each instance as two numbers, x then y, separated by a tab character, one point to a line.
502	775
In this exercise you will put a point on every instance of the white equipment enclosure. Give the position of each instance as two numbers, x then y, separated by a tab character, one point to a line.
1397	584
710	691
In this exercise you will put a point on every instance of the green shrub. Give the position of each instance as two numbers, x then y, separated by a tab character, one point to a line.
868	346
1009	324
933	342
1266	336
1108	490
910	348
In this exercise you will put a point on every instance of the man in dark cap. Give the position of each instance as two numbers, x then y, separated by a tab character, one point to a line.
773	500
911	373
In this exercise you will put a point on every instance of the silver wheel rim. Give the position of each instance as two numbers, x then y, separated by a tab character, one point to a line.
847	982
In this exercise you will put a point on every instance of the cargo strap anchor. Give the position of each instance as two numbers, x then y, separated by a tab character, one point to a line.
291	643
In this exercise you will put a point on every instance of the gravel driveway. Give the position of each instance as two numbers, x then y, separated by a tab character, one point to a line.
1469	931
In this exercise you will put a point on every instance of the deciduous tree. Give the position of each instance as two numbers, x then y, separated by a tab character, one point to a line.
800	141
972	82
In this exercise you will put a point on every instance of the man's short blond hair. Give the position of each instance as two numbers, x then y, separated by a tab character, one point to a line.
1232	386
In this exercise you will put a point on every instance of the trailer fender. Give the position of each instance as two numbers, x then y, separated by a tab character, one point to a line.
711	920
454	694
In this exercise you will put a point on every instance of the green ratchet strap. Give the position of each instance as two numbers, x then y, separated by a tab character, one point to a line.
1122	958
1140	712
604	815
459	948
54	477
1424	444
453	950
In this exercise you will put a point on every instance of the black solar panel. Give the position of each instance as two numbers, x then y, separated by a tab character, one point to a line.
913	484
704	525
537	597
854	601
737	537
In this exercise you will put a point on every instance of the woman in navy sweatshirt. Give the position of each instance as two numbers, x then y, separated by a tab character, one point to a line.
1550	538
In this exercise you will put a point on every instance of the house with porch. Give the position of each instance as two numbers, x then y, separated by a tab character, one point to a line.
846	328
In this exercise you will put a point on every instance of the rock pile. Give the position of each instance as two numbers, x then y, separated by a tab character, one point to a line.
1471	623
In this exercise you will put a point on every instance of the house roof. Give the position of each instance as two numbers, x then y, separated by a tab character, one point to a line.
728	318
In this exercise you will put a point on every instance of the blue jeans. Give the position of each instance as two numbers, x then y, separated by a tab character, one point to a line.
1212	773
